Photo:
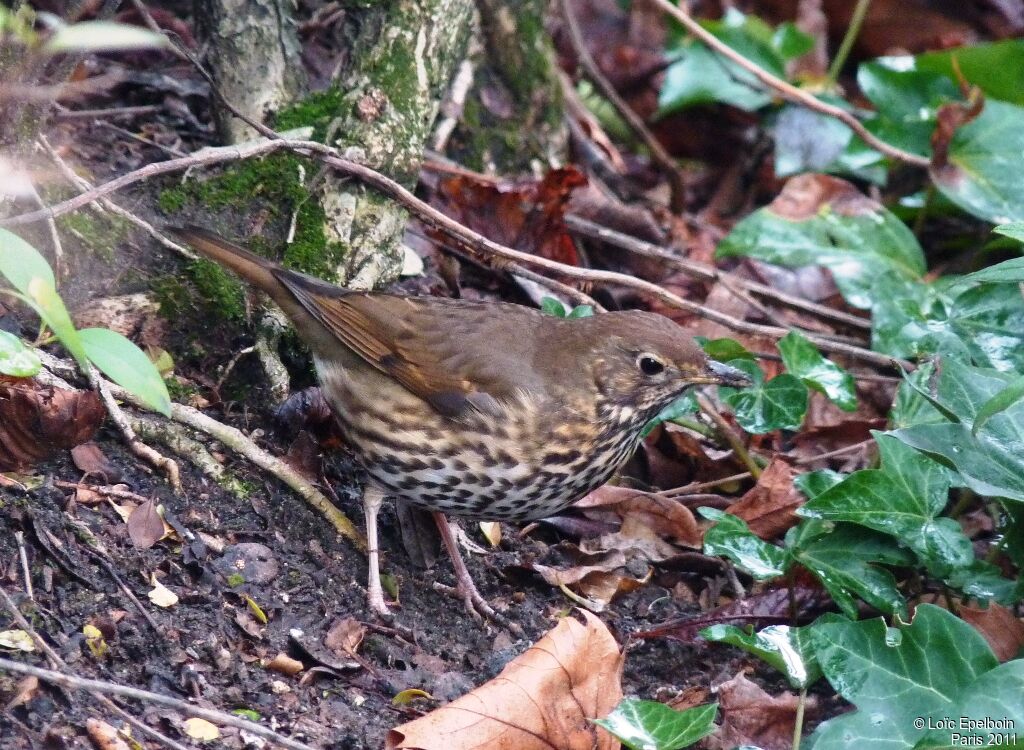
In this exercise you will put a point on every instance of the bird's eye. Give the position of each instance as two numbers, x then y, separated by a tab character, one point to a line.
649	365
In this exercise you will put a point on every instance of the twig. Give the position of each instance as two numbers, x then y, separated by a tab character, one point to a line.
56	661
136	446
59	269
727	432
105	564
25	572
697	488
860	11
473	242
74	682
70	114
587	228
834	453
787	90
237	441
659	155
106	204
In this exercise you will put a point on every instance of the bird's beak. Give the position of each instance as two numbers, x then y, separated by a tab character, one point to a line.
718	374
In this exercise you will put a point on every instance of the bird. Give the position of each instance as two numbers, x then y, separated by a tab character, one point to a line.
486	410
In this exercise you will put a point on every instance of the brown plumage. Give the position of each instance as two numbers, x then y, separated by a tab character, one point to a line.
481	409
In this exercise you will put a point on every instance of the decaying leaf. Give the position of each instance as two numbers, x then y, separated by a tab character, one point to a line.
285	664
769	507
16	640
544	698
146	525
1001	628
24	692
750	716
91	460
36	421
104	736
160	595
200	729
345	636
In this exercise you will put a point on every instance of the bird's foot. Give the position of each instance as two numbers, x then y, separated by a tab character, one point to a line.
477	606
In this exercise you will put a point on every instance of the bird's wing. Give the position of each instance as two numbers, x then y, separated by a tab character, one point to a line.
445	352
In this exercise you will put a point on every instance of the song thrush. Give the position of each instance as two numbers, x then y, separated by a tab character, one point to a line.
487	410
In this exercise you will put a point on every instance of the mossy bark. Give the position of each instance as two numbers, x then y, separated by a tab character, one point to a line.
254	56
513	117
403	57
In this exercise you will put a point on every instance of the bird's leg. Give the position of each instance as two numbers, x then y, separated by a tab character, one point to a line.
465	589
373	498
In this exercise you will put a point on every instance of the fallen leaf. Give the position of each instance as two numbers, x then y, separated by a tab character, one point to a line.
769	507
146	525
285	664
406	697
200	729
345	636
36	421
104	736
16	640
91	460
662	515
1000	627
544	698
24	691
160	595
491	531
750	716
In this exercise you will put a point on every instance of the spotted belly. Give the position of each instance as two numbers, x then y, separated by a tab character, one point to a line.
480	467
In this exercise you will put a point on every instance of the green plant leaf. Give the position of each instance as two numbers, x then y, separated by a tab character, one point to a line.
790	42
997	68
553	306
649	725
991	461
1014	230
986	158
126	365
807	141
803	360
1008	272
50	307
846	559
724	350
16	359
582	311
779	404
825	221
786	649
1002	401
905	499
928	670
731	538
20	263
813	483
102	36
682	406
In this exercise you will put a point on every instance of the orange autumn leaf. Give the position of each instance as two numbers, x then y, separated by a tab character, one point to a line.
544	698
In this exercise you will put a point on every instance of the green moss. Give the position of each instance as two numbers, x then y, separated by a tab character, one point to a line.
318	110
235	580
219	289
98	234
172	200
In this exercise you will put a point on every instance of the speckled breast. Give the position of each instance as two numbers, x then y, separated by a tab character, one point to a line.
530	464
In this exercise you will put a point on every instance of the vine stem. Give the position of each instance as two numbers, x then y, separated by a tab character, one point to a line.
860	12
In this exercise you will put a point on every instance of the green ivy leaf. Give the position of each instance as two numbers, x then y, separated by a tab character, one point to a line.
846	559
905	499
825	221
986	158
724	350
126	365
939	667
16	359
779	404
731	538
649	725
682	406
803	360
786	649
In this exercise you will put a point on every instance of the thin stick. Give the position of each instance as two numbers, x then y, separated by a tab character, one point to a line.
860	11
56	661
659	155
697	488
704	272
25	572
74	682
787	90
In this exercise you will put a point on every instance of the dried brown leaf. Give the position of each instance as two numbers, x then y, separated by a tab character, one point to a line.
1000	627
769	507
36	421
750	716
146	525
345	636
104	736
544	698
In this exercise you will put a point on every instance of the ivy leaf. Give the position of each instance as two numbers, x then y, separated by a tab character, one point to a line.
649	725
803	360
778	404
785	648
731	538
